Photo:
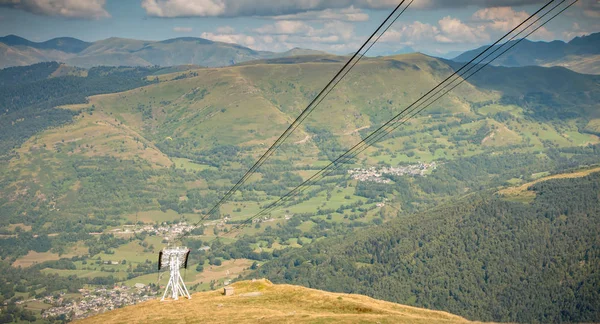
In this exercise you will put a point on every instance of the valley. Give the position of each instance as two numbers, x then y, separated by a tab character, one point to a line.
89	200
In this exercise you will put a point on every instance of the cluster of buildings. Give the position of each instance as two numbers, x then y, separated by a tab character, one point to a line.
374	174
97	301
165	230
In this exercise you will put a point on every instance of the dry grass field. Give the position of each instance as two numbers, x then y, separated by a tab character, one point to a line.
261	301
521	191
35	257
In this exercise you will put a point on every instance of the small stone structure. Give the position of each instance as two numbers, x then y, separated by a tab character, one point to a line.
228	291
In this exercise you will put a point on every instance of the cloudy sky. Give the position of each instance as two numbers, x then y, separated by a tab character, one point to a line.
338	26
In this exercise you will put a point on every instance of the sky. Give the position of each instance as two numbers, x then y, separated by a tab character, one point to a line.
436	27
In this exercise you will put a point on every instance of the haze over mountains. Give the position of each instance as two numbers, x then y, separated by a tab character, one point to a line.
581	54
17	51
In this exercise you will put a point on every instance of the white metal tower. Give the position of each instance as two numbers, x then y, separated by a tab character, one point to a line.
174	258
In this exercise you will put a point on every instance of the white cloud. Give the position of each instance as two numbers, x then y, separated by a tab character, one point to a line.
591	8
233	8
454	30
330	32
328	25
411	33
500	18
183	8
89	9
449	30
281	35
183	29
482	26
225	30
540	34
240	39
285	27
575	31
437	4
504	19
349	14
344	30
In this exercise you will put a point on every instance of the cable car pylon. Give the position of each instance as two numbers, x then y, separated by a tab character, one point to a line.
175	258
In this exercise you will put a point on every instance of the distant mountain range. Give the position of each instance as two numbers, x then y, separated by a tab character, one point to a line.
582	54
383	52
18	51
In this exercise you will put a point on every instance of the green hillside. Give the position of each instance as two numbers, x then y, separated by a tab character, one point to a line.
77	180
484	257
208	126
30	96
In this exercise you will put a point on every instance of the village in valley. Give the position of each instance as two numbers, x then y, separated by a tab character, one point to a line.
374	174
96	301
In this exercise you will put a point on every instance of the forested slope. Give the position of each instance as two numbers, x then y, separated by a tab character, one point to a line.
483	257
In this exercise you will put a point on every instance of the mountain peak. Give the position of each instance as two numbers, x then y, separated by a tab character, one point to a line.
14	40
187	39
64	44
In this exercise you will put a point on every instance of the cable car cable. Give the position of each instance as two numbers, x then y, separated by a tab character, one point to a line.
312	105
376	133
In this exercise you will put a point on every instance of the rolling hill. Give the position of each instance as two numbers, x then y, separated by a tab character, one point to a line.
17	51
174	118
261	301
582	54
63	44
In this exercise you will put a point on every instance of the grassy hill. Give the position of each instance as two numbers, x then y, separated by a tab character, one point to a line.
208	125
30	95
261	301
580	54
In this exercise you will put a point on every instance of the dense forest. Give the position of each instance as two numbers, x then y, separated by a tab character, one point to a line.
483	257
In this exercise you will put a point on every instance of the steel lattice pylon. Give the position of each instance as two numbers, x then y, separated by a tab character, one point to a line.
174	258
